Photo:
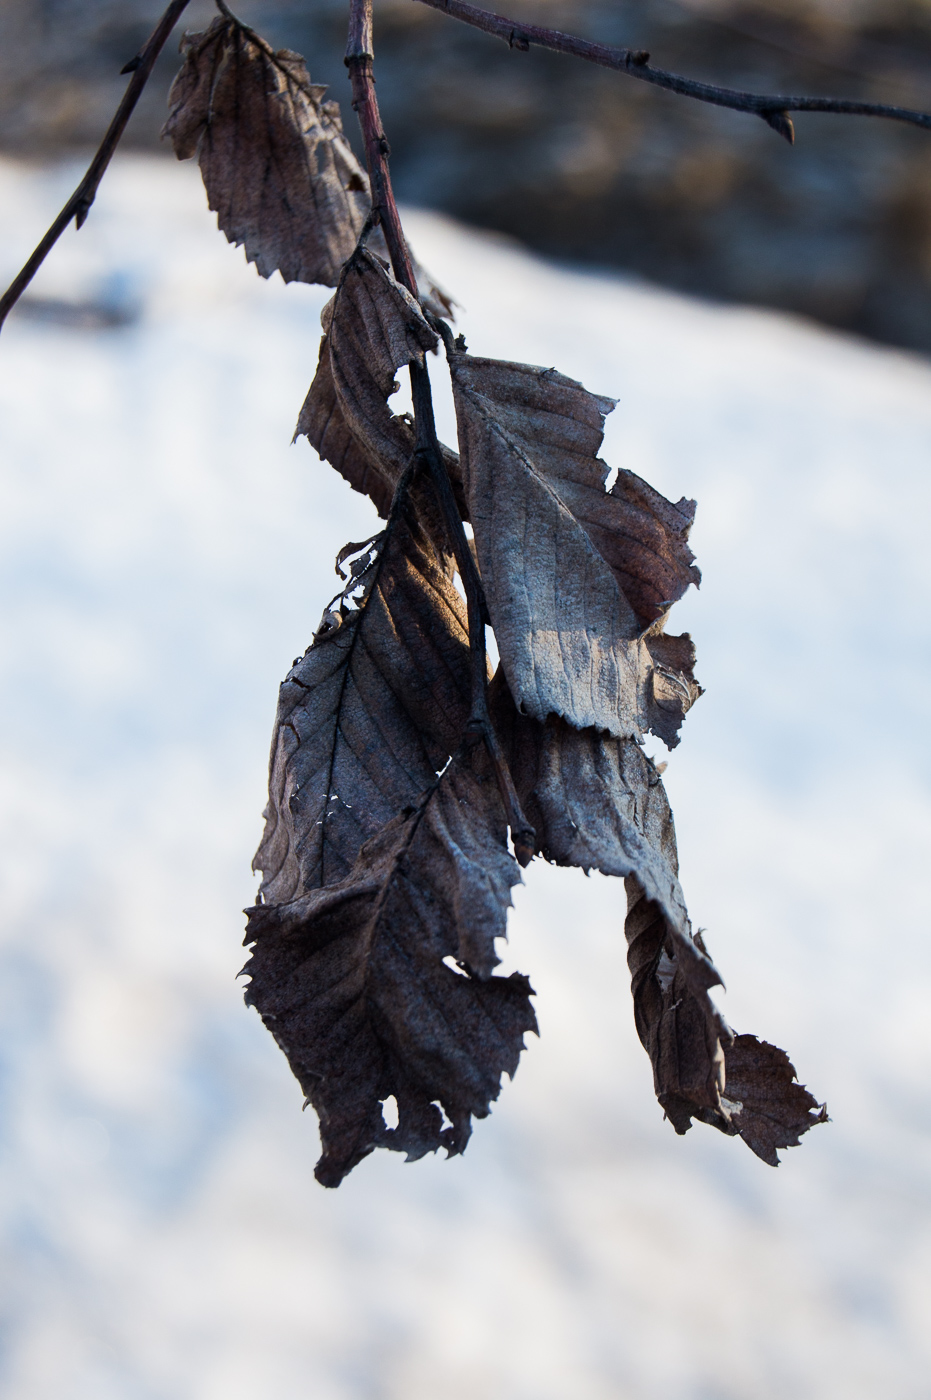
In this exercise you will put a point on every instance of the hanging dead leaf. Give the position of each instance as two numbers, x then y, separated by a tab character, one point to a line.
557	552
368	716
373	327
278	170
598	803
351	979
767	1104
381	858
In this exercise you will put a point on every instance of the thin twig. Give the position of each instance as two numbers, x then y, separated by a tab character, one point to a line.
359	60
80	202
771	107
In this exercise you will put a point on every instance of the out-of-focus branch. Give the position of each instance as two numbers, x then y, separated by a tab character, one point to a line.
774	109
80	202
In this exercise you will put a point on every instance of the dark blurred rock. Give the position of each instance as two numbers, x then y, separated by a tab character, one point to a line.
586	164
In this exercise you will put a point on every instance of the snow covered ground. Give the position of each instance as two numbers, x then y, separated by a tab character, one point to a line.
165	553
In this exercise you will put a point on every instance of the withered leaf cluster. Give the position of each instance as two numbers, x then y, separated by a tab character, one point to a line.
386	867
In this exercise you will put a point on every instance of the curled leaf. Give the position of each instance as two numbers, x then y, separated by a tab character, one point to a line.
598	802
373	327
278	170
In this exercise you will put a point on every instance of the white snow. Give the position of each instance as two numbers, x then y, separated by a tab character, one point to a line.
165	553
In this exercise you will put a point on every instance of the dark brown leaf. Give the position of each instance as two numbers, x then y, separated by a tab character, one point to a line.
558	553
367	717
768	1105
598	803
278	170
351	980
376	869
373	327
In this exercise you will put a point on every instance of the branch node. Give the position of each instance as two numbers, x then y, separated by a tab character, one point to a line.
772	108
131	66
781	122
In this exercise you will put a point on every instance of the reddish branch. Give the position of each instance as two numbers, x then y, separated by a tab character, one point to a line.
772	108
359	61
80	202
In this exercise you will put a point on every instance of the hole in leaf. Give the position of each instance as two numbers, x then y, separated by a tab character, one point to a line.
389	1110
400	401
447	1121
491	647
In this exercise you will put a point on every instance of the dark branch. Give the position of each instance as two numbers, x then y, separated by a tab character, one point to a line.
359	59
80	202
365	104
772	108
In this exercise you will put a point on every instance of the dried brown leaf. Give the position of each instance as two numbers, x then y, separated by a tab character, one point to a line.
768	1106
381	858
278	170
598	802
574	575
367	716
373	327
351	980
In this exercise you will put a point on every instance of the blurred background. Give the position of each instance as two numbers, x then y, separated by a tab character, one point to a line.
581	163
165	553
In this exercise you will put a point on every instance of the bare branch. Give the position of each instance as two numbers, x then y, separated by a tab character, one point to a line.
359	60
772	108
79	204
365	105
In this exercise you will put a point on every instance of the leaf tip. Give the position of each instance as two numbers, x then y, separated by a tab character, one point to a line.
524	846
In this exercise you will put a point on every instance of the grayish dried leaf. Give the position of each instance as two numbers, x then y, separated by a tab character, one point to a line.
558	553
278	170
